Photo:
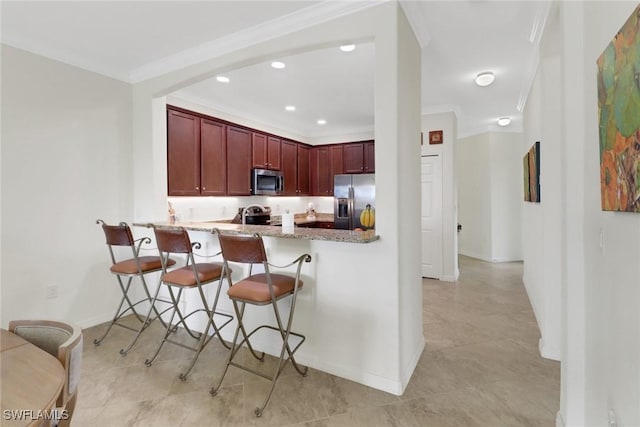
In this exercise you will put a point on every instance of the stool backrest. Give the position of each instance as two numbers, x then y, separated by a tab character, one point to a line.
117	235
174	241
245	249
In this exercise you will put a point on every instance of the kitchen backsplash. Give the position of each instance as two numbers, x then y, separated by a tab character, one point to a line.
221	208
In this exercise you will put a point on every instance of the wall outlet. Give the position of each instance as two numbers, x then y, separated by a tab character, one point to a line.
52	291
612	419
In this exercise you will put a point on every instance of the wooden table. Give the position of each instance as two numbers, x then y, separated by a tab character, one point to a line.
31	378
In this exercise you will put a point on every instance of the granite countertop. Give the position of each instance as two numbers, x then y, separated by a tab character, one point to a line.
347	236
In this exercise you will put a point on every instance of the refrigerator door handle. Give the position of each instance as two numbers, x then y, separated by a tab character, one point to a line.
351	209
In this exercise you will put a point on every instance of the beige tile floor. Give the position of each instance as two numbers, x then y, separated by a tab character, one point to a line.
480	367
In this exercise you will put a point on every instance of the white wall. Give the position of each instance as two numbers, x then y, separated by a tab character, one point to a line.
598	318
489	169
473	167
66	161
393	294
611	287
506	196
542	222
448	124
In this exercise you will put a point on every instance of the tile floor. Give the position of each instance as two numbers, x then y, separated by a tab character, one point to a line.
480	367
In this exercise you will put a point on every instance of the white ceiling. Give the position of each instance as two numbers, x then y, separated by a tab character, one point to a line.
133	41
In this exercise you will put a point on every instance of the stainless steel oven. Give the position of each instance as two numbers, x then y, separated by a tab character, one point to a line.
266	182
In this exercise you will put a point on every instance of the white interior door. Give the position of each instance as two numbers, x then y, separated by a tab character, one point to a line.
431	224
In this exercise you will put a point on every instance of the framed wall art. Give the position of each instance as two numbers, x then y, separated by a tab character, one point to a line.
619	119
435	137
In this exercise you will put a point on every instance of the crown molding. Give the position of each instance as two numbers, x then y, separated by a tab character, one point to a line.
537	30
281	26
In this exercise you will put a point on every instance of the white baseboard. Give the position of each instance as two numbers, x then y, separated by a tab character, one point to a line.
408	372
547	352
388	385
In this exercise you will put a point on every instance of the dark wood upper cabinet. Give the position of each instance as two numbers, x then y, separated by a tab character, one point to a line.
326	162
359	157
238	161
320	171
273	153
353	158
183	154
259	150
304	184
213	158
336	165
369	157
289	167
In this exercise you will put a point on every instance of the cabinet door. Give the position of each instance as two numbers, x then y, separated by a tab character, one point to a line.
289	167
304	186
321	181
213	154
369	157
259	150
273	153
238	161
183	154
353	157
335	164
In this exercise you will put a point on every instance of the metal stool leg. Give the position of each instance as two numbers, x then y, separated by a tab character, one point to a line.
168	330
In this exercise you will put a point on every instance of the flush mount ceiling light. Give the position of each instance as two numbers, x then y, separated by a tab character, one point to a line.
347	47
223	79
322	122
485	79
504	121
290	108
278	65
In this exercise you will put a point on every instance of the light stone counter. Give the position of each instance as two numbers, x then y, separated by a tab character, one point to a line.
299	233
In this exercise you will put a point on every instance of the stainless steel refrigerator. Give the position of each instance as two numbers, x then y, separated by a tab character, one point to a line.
352	194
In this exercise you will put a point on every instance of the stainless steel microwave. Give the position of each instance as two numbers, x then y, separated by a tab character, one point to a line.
266	182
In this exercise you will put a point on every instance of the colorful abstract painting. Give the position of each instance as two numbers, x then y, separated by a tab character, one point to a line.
525	168
619	110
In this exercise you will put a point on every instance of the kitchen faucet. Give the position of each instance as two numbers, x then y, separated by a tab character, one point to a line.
245	210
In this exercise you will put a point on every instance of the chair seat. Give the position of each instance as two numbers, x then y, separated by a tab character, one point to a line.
147	263
255	288
184	276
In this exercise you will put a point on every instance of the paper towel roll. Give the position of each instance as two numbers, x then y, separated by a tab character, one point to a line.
287	220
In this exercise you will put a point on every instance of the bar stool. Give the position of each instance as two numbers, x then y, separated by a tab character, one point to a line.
191	275
260	289
136	266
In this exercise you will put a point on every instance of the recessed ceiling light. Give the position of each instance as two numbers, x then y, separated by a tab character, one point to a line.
223	79
504	121
347	47
290	108
322	122
485	79
278	65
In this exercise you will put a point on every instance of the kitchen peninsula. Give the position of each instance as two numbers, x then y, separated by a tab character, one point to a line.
338	309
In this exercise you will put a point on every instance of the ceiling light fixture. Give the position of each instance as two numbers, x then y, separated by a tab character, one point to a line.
223	79
348	47
485	79
290	108
278	65
504	121
322	122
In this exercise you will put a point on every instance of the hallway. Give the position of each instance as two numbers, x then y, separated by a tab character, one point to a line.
481	367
